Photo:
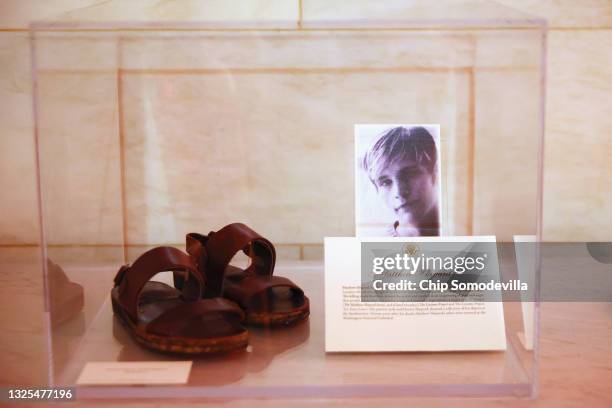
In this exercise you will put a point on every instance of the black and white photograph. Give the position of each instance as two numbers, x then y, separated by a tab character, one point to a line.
397	180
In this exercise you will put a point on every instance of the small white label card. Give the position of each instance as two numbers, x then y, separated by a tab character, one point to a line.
413	294
135	372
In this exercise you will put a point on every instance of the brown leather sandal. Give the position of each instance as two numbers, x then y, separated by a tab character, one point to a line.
163	318
267	300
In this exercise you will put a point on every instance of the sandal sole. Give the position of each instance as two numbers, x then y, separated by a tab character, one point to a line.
277	320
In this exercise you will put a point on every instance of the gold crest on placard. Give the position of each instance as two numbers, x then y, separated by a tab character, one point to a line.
411	249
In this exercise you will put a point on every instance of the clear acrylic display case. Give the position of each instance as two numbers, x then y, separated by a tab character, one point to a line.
148	131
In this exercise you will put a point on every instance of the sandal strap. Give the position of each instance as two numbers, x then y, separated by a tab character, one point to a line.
250	287
188	315
220	248
132	278
197	252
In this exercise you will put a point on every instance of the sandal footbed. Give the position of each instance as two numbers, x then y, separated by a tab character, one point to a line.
221	335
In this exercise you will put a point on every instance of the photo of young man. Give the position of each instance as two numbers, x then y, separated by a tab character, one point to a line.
401	166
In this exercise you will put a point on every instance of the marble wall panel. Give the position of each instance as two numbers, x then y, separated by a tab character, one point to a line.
560	13
297	50
517	49
507	153
19	13
19	221
81	51
567	13
578	193
78	135
411	13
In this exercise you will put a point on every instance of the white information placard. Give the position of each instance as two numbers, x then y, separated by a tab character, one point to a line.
355	326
